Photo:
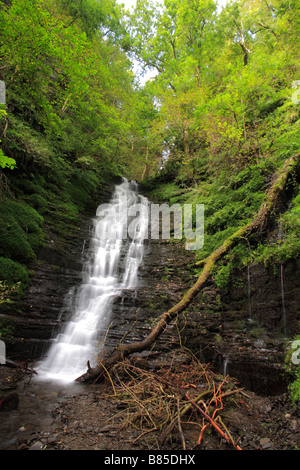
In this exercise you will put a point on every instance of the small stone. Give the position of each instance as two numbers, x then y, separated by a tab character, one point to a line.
294	425
52	440
38	445
265	442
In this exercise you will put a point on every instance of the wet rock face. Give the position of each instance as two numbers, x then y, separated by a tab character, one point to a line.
163	279
257	319
36	317
270	296
58	269
244	331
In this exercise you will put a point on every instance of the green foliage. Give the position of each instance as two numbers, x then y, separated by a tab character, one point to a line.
293	368
222	276
14	242
166	192
295	387
12	272
28	144
81	188
286	245
6	162
37	202
70	91
94	15
73	119
6	291
223	83
6	327
20	231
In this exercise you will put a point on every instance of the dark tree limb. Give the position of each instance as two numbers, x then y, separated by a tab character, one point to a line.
259	222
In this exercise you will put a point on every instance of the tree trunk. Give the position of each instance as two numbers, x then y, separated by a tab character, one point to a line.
258	223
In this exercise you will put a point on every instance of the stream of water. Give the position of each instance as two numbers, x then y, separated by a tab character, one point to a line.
115	256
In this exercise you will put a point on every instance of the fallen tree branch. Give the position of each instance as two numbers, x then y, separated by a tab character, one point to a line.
259	222
212	422
158	406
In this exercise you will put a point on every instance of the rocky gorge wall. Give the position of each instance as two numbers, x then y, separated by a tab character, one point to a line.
245	330
32	320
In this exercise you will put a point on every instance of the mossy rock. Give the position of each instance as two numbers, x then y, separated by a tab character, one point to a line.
64	212
7	327
13	241
29	187
78	196
81	188
12	272
38	202
26	216
20	231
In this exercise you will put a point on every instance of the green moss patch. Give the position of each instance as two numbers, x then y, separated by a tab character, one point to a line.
12	272
20	231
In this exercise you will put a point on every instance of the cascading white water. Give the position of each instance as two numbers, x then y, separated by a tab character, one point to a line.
116	255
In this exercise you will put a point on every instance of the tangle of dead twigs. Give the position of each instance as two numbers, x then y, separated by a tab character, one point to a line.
164	405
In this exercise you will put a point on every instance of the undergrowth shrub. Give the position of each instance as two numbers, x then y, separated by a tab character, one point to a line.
20	231
12	272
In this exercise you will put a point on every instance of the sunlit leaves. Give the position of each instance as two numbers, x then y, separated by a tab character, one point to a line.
219	73
6	162
68	78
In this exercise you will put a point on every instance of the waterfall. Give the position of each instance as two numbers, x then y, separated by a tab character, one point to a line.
225	365
117	249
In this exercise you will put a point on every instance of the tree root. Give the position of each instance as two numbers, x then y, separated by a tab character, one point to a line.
163	406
